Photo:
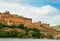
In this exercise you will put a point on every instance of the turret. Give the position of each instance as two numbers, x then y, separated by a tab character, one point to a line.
6	12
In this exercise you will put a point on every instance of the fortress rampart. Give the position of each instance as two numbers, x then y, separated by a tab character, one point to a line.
9	19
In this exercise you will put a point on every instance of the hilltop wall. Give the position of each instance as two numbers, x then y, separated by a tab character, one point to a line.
9	19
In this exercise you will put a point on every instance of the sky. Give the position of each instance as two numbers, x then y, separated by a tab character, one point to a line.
47	11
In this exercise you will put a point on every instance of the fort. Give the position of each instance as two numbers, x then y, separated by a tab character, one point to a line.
10	19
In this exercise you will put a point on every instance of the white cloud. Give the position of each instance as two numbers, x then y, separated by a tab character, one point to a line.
56	19
44	9
36	13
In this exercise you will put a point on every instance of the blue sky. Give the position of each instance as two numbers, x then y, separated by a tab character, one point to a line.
55	3
47	11
38	3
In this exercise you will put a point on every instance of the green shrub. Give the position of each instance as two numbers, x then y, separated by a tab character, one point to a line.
21	26
14	33
2	33
50	36
21	35
36	29
13	26
36	34
27	29
3	25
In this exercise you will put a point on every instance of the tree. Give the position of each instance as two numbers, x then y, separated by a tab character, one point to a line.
36	29
49	36
14	33
27	29
36	34
0	26
13	26
21	35
8	34
3	25
2	33
21	26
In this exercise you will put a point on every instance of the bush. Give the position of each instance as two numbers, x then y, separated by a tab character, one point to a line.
27	29
14	33
21	26
50	36
0	26
36	29
21	35
3	25
13	26
36	34
2	33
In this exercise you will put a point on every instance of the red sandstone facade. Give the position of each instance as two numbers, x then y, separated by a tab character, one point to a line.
15	19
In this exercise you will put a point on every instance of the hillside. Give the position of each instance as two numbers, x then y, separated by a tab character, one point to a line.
13	31
57	27
15	26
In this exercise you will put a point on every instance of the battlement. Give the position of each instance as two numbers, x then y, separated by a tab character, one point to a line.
16	19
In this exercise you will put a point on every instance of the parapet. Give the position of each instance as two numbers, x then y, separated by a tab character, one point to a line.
28	18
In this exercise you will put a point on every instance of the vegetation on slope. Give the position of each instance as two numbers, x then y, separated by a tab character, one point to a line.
57	27
20	31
